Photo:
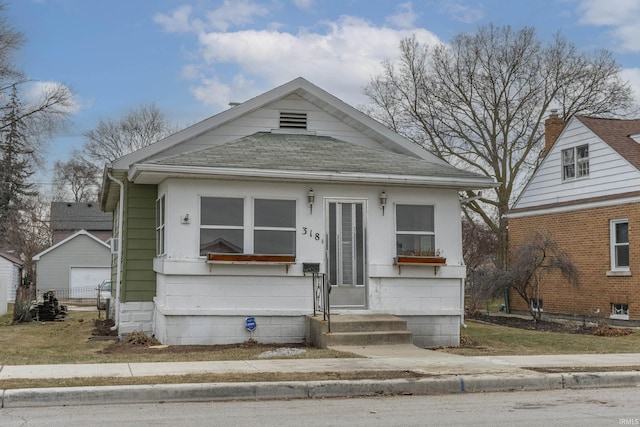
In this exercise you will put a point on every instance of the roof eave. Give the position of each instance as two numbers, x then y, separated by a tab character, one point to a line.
155	174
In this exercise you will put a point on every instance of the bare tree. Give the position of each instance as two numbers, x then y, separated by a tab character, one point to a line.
25	124
479	250
112	139
480	103
76	180
530	265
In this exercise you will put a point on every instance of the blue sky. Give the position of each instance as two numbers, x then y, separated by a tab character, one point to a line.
194	57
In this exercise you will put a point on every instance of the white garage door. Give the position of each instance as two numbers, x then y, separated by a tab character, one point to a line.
84	277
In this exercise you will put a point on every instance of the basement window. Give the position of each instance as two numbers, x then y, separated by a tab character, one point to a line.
536	305
289	120
619	311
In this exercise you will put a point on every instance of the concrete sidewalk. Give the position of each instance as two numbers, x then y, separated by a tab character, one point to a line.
444	373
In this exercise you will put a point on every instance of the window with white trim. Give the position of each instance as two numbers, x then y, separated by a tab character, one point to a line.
267	227
160	225
619	311
619	244
274	227
575	162
415	234
221	225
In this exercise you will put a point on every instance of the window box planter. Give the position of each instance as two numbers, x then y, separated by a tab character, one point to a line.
426	261
286	260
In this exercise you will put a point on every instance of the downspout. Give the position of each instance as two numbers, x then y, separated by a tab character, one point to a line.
464	325
119	252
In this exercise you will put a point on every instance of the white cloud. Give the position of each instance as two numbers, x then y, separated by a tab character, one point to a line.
405	17
621	16
36	91
235	13
178	21
231	13
342	60
461	12
303	4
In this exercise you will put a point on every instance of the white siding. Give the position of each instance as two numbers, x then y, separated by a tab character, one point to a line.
9	282
267	118
54	267
218	297
609	173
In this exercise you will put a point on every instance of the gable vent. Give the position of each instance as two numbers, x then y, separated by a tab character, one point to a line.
293	120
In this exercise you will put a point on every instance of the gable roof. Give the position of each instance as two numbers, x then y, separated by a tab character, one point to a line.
79	216
62	242
140	160
617	134
11	258
303	156
306	90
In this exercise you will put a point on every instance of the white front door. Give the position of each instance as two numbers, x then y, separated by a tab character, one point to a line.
346	253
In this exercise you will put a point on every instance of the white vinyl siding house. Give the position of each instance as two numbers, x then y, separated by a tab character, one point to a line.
295	176
608	172
10	277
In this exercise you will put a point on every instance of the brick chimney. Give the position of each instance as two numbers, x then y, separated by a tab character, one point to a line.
552	128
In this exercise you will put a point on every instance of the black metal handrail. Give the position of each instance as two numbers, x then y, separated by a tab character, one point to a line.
321	291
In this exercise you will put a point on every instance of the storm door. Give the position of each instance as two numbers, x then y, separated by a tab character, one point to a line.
346	256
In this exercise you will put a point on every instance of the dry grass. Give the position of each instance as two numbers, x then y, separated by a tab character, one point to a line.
69	341
493	340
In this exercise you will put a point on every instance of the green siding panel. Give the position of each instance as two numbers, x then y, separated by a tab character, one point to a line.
139	246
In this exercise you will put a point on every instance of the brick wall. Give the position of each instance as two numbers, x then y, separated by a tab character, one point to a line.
585	235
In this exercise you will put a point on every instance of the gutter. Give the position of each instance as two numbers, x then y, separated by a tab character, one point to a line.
151	173
119	252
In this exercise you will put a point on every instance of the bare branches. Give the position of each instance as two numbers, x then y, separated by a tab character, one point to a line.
480	102
112	139
530	266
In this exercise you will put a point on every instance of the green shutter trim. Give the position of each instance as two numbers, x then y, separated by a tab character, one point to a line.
139	243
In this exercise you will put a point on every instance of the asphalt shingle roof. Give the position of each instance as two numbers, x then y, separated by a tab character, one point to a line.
302	152
79	216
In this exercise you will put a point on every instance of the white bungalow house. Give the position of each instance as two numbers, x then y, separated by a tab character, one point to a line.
216	222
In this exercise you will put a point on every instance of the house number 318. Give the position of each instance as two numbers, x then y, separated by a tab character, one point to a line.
307	232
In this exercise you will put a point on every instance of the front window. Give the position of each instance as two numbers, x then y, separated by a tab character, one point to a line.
160	225
274	230
415	233
270	226
620	244
575	162
221	225
620	311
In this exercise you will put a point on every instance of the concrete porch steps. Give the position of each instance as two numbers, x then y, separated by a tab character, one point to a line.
358	329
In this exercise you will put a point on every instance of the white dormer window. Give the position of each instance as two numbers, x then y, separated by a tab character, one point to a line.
575	162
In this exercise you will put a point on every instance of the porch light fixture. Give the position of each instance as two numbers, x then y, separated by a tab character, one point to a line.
311	197
383	201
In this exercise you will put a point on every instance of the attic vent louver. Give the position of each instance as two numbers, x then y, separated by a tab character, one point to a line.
293	120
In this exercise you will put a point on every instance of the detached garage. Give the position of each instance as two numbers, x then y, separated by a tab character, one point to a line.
10	277
73	267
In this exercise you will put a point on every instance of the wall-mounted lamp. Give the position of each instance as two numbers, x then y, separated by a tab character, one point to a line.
186	219
383	201
311	197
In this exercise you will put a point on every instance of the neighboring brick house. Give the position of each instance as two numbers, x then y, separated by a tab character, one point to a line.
586	191
67	218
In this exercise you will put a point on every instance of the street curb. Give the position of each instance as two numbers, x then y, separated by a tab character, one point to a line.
104	395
